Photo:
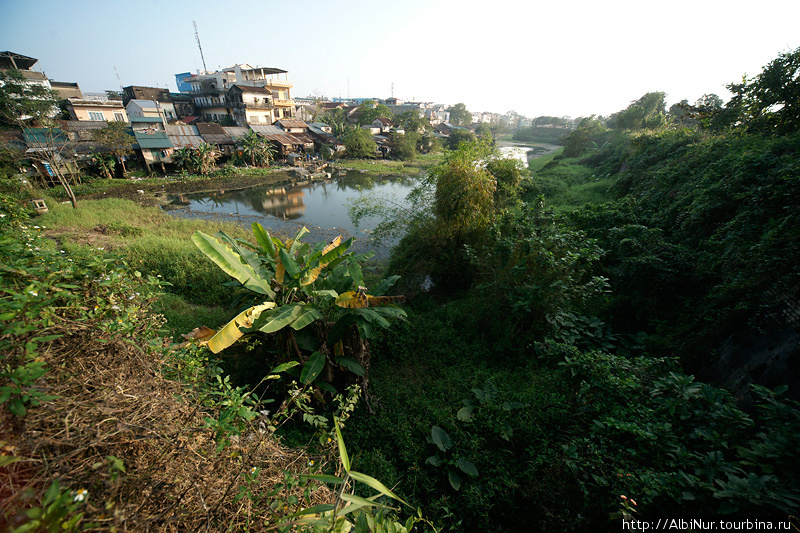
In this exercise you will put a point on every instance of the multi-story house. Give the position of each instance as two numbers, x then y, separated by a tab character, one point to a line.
109	111
243	94
155	94
24	64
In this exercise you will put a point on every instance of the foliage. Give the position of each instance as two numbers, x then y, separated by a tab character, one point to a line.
198	160
115	138
411	121
360	144
584	137
21	101
464	189
337	119
300	286
256	150
369	111
675	444
507	172
649	111
460	136
459	116
769	102
404	147
58	511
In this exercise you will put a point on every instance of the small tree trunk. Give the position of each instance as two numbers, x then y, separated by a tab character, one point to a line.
65	184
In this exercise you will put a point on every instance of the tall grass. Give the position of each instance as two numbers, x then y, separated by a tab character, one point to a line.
151	242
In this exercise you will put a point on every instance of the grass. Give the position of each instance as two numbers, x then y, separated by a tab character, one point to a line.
566	183
537	164
155	244
391	167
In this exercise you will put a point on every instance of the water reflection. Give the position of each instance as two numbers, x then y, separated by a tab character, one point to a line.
316	204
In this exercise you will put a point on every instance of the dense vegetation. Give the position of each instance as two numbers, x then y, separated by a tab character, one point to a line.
607	335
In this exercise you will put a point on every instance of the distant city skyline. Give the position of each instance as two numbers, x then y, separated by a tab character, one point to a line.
533	58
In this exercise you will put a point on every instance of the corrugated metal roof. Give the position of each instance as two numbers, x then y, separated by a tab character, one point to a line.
287	124
146	119
83	125
186	141
156	139
304	137
184	136
210	127
268	130
144	104
181	129
236	132
213	133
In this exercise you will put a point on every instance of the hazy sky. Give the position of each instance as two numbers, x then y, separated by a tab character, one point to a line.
538	58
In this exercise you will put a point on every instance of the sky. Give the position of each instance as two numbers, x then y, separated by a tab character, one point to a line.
568	58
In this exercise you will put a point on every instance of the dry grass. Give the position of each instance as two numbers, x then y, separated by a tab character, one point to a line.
114	401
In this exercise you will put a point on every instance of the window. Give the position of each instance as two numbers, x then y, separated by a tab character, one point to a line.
94	115
119	117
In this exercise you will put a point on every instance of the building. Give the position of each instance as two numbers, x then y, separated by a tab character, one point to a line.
24	64
84	110
154	94
180	81
215	135
243	94
66	89
150	109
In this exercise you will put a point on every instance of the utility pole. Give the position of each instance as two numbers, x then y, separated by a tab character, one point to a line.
197	36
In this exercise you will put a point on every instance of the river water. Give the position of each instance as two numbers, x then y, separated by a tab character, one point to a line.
322	206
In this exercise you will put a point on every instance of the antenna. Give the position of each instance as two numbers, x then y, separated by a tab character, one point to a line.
392	89
119	80
197	36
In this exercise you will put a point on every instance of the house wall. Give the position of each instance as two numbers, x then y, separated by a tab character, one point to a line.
90	112
259	117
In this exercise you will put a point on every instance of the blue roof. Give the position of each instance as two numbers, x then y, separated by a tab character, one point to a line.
146	119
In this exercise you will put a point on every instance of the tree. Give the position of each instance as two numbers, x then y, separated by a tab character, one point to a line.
769	102
360	144
116	139
507	172
369	111
411	121
485	132
459	116
32	107
337	119
405	146
464	189
584	137
256	149
198	160
649	111
459	136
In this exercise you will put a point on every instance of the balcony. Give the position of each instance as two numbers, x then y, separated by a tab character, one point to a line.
251	105
283	103
201	104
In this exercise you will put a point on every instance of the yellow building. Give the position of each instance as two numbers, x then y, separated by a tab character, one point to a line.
110	110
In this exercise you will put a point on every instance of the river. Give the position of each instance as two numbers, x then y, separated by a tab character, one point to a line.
321	206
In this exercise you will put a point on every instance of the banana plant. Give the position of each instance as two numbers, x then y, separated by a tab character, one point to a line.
317	289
